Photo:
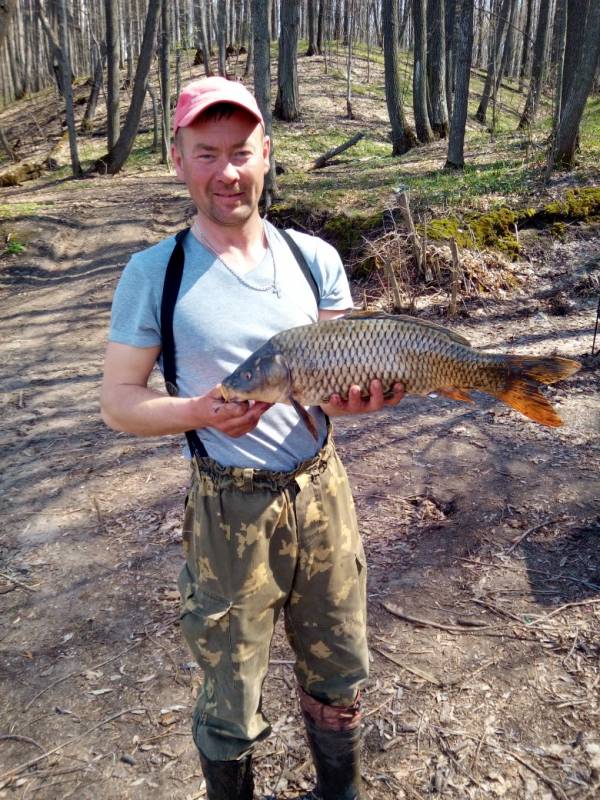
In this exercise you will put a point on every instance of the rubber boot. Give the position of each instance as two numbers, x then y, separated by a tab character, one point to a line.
228	780
334	738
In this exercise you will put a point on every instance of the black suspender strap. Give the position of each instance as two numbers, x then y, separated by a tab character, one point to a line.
299	256
171	287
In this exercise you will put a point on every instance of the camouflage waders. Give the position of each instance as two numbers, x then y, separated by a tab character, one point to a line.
257	542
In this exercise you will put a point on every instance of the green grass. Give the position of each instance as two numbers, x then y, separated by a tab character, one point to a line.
590	133
13	210
91	149
14	247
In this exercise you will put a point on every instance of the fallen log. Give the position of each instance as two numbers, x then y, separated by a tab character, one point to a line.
30	168
16	174
320	162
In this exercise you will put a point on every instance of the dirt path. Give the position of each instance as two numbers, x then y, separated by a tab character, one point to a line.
478	523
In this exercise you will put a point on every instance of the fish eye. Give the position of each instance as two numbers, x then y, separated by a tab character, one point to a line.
247	376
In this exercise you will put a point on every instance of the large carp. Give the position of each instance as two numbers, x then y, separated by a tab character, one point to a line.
306	365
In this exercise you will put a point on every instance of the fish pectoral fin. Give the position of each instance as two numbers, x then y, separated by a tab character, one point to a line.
456	394
305	417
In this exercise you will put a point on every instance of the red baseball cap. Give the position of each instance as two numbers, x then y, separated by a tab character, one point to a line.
199	95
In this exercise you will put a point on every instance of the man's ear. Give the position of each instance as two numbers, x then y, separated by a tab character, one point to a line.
176	158
267	152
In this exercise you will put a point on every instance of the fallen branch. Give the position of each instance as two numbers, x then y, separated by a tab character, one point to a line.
397	612
18	582
6	777
552	784
420	673
563	608
518	541
15	737
320	162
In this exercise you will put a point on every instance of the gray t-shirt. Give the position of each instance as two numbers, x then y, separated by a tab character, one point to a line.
219	321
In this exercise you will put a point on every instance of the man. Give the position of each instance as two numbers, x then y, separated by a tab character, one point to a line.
269	522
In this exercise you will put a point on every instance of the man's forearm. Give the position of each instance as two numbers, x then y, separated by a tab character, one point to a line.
145	412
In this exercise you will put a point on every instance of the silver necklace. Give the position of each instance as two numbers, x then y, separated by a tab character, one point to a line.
272	288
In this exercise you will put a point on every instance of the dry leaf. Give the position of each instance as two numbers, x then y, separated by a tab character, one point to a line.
146	678
169	719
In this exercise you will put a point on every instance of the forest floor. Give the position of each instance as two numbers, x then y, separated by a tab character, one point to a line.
481	529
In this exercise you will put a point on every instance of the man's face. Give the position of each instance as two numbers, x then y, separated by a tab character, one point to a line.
223	162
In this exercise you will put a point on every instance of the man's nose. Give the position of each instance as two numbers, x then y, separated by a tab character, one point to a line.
228	171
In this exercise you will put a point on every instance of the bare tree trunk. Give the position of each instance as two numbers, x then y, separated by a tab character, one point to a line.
480	23
262	84
494	58
7	11
403	137
113	117
537	70
463	48
527	45
156	127
114	160
165	81
506	51
450	23
577	11
321	27
53	46
574	104
350	7
66	72
424	132
250	53
92	103
286	104
222	37
559	36
436	66
312	14
202	24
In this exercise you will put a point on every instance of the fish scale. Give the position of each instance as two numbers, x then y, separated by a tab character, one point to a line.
307	365
323	362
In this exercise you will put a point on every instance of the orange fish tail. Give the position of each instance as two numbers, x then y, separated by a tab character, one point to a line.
524	396
522	386
548	369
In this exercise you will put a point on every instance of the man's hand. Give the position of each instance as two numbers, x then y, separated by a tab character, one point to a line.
128	404
233	418
355	404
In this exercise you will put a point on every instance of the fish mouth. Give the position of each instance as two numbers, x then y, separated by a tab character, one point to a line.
225	393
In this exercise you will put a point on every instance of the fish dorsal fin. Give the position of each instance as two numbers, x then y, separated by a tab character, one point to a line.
456	337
